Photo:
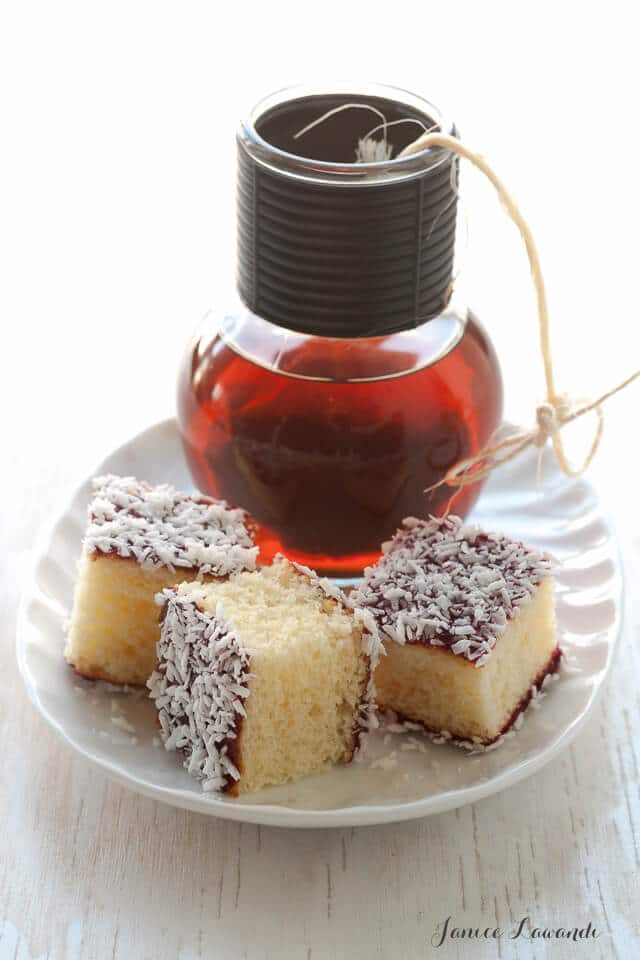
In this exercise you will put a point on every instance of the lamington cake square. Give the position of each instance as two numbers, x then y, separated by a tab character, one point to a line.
262	678
139	540
468	625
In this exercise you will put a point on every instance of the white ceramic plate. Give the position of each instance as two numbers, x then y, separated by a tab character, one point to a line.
563	516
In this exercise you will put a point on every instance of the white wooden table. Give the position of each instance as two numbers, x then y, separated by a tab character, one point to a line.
116	192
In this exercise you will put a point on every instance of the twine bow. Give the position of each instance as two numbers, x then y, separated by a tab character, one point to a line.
547	419
557	411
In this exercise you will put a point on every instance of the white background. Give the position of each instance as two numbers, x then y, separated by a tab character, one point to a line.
118	164
117	154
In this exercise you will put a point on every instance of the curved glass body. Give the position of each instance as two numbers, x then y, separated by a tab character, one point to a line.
329	443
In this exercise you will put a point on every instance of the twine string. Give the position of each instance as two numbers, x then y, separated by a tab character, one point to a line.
558	410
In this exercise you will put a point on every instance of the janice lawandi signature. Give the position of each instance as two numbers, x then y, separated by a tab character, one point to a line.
524	929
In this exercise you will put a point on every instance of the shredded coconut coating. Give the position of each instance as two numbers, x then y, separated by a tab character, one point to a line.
162	527
447	584
367	719
199	688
